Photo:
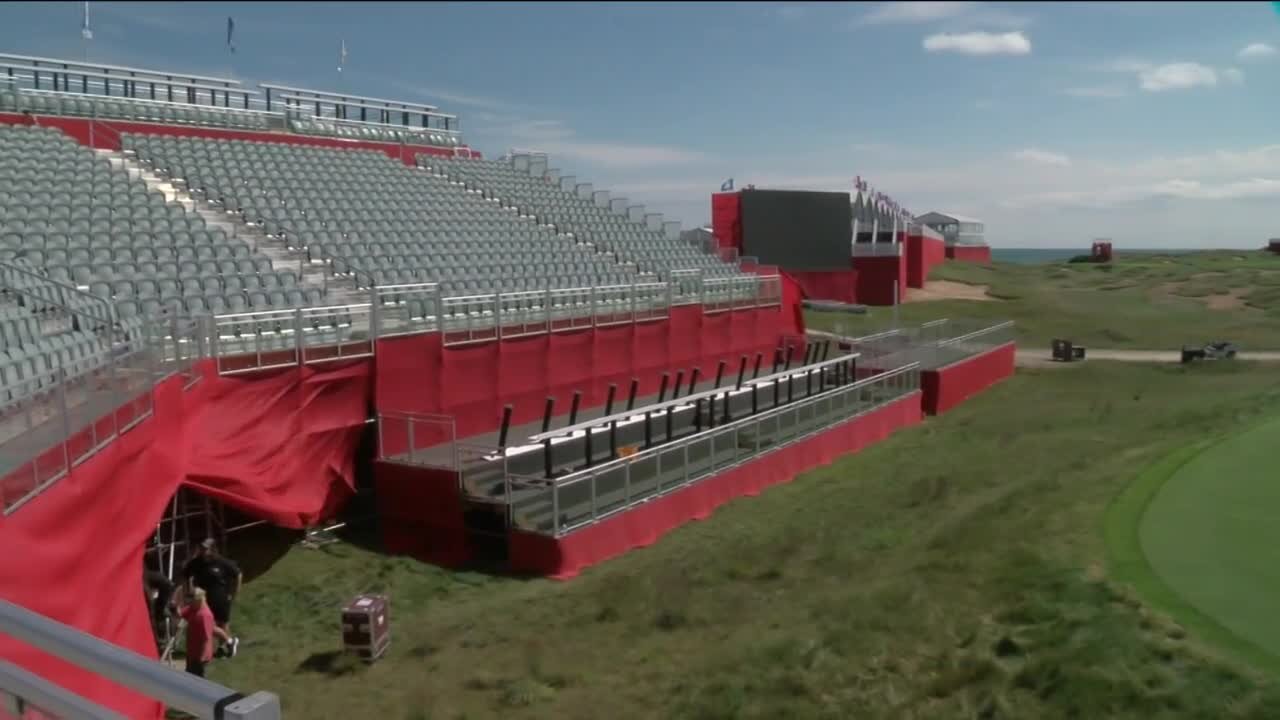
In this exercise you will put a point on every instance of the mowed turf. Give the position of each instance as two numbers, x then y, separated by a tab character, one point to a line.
1212	534
957	570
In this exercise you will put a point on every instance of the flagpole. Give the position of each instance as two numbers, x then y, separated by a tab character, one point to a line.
86	33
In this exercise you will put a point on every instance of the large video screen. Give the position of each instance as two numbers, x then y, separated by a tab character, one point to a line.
797	229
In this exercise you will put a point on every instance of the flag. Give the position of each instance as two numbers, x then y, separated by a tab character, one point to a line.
727	185
85	32
231	31
342	56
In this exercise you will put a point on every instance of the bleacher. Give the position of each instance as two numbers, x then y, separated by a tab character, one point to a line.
649	251
375	220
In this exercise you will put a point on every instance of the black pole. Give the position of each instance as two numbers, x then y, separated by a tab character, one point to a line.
631	397
755	399
546	413
808	382
826	350
613	439
791	388
791	349
573	408
586	446
693	381
648	431
755	372
777	360
670	423
662	391
506	425
719	374
608	404
810	353
742	372
546	457
679	381
697	415
727	418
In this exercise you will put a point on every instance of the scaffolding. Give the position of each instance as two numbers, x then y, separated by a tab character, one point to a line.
189	519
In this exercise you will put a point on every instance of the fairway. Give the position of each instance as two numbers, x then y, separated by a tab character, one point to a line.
1211	535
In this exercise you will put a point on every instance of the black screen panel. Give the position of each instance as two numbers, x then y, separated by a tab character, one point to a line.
797	229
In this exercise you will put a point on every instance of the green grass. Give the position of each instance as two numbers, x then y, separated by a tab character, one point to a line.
1137	302
1210	535
957	570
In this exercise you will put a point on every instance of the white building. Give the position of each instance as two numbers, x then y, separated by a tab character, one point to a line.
956	229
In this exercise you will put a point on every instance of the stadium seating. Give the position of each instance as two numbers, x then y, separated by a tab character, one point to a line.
378	221
651	251
372	131
132	109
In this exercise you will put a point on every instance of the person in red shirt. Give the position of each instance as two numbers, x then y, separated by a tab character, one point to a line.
200	632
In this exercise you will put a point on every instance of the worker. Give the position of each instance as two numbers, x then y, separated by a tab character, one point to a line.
201	629
221	579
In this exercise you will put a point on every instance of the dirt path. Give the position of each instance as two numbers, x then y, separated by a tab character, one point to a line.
947	290
1040	358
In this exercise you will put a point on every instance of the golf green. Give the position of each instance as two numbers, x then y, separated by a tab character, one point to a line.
1212	534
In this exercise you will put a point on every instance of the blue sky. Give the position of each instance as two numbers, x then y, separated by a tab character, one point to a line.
1155	124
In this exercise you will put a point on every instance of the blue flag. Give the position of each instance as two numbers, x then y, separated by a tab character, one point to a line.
231	30
727	185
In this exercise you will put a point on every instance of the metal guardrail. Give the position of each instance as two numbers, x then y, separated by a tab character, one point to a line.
934	344
176	689
590	495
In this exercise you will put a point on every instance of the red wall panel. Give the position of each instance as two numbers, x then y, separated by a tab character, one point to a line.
837	285
877	277
969	253
726	219
922	254
949	386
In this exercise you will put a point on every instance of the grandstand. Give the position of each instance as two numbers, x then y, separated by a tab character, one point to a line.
211	290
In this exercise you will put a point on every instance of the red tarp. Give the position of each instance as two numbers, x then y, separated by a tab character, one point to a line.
278	446
565	557
949	386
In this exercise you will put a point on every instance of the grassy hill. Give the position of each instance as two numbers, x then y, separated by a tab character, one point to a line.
1138	302
958	570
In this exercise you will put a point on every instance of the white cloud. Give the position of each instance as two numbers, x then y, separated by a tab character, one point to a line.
979	43
1256	51
1177	76
559	140
915	12
1175	189
1043	157
1096	91
1233	76
955	15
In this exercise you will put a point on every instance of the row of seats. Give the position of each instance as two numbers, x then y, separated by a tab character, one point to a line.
26	370
326	200
123	231
599	225
134	109
373	132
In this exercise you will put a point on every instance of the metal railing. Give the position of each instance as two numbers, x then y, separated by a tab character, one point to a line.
875	249
175	689
54	420
933	345
560	506
421	439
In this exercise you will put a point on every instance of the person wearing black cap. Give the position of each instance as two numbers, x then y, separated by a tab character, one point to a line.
220	578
